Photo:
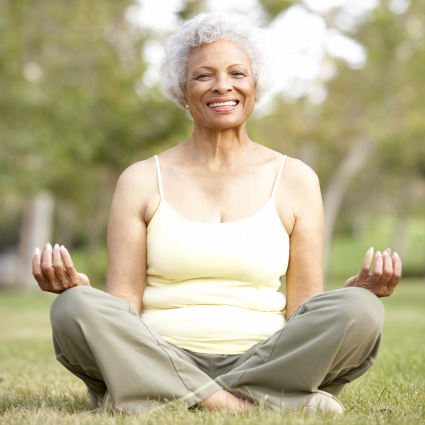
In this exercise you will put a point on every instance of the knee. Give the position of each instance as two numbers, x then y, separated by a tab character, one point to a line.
70	308
362	308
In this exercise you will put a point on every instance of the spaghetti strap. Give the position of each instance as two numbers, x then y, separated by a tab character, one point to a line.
159	176
278	175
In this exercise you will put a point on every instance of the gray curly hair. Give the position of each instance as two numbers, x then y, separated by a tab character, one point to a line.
206	28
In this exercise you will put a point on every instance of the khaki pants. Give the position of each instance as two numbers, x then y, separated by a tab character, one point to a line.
330	340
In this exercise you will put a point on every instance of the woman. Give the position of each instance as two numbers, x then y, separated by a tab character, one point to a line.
201	234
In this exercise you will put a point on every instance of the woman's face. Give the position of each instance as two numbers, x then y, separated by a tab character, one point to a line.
219	72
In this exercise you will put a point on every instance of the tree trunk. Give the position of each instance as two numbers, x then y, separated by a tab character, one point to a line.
36	231
335	191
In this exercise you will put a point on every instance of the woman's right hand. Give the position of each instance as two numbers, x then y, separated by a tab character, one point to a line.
48	270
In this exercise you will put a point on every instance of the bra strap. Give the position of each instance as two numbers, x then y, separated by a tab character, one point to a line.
278	175
159	175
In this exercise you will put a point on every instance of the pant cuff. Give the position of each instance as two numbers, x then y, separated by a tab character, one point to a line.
200	394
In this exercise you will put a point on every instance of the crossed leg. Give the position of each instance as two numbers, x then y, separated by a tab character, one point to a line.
330	340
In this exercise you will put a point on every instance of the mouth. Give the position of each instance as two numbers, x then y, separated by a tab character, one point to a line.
226	106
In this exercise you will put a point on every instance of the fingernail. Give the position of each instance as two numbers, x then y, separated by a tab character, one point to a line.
56	246
386	253
378	253
62	247
396	255
37	251
48	246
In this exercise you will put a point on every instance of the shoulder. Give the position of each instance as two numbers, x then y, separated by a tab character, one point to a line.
299	174
294	171
139	174
299	190
137	185
139	182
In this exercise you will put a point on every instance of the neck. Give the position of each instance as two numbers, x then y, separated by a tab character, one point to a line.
217	147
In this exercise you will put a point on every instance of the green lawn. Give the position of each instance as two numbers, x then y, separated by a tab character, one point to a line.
35	389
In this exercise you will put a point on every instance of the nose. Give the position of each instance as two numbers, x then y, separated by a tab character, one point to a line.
222	83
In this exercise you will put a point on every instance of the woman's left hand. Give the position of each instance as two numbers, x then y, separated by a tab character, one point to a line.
385	276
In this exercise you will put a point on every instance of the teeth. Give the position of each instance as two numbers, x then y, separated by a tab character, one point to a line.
215	105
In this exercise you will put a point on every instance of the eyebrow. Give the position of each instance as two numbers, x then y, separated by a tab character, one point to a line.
210	67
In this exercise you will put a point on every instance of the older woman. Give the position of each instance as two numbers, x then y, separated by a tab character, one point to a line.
198	240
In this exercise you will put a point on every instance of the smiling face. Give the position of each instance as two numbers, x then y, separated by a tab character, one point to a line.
219	85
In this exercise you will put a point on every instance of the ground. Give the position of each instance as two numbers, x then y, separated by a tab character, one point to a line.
36	389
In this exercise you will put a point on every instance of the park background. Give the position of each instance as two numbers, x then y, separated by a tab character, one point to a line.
80	102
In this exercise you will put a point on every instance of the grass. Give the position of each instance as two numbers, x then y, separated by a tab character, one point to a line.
36	389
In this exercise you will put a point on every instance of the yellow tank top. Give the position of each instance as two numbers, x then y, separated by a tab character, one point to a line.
213	287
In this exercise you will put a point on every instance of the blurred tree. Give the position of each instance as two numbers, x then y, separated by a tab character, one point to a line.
74	112
274	7
385	100
383	103
191	8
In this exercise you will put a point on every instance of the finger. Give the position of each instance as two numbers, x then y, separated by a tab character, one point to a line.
377	269
364	271
388	250
69	265
36	267
397	269
57	265
46	264
387	270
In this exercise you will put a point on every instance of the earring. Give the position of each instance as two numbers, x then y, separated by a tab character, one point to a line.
187	106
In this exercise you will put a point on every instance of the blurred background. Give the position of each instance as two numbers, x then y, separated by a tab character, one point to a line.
80	102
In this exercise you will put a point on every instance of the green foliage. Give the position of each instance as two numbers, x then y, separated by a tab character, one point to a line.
74	112
79	114
191	8
274	7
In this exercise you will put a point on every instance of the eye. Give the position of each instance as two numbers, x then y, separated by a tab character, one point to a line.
202	76
238	74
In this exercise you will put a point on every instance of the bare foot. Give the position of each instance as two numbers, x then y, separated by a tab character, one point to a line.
222	399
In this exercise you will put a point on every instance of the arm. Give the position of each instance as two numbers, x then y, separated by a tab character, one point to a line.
300	207
136	198
301	212
127	233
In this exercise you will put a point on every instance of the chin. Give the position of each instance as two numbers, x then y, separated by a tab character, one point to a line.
226	125
224	122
